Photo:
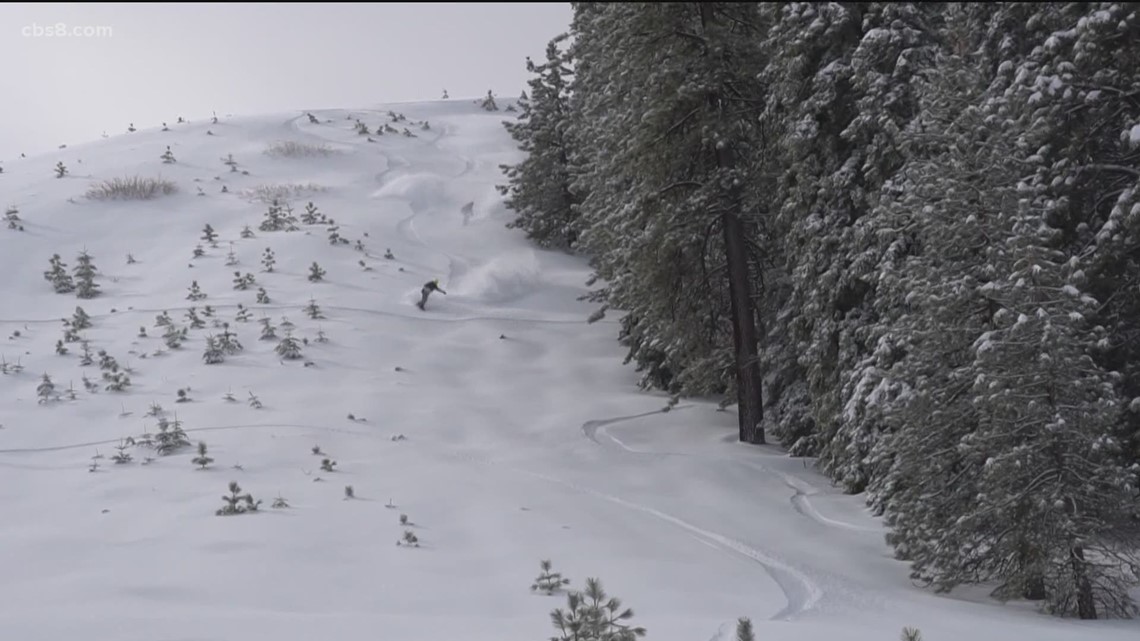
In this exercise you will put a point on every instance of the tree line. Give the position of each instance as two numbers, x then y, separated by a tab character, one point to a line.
903	238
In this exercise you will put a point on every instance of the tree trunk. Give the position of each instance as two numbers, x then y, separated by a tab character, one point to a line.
747	364
1086	604
748	390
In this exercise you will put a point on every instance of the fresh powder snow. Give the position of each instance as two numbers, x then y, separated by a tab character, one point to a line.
497	421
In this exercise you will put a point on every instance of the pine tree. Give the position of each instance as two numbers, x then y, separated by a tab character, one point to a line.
173	336
213	354
195	292
60	280
60	170
268	332
209	235
85	358
228	341
592	615
268	259
243	314
289	348
275	219
262	296
246	232
167	156
316	274
80	320
549	581
46	390
313	311
171	437
85	286
202	460
489	102
122	456
538	188
194	320
312	215
237	503
243	282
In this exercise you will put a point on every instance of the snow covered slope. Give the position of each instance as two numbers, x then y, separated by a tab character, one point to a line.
524	438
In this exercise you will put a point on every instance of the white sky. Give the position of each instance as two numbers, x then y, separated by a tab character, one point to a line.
161	61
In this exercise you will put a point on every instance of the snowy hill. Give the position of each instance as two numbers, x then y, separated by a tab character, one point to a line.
500	423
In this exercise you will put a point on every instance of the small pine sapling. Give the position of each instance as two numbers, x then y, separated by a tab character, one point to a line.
254	402
268	332
229	397
910	634
243	314
173	337
279	503
203	459
163	320
313	311
123	456
289	348
316	274
410	540
404	520
335	237
195	292
60	280
228	341
592	614
744	630
268	260
60	169
85	271
208	311
183	396
209	235
316	449
237	503
312	215
131	259
80	320
60	348
328	465
90	385
349	493
142	332
193	319
167	156
170	437
246	232
155	410
262	296
198	251
231	257
46	390
549	581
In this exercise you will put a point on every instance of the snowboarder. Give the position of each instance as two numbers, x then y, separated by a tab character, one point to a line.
429	287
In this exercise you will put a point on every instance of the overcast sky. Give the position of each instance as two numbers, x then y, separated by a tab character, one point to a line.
116	63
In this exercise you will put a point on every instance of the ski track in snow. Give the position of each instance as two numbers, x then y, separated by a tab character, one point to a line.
801	591
802	490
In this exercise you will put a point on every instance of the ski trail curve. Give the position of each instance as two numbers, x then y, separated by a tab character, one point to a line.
800	591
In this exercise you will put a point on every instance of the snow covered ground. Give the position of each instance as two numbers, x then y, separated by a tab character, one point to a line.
525	437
